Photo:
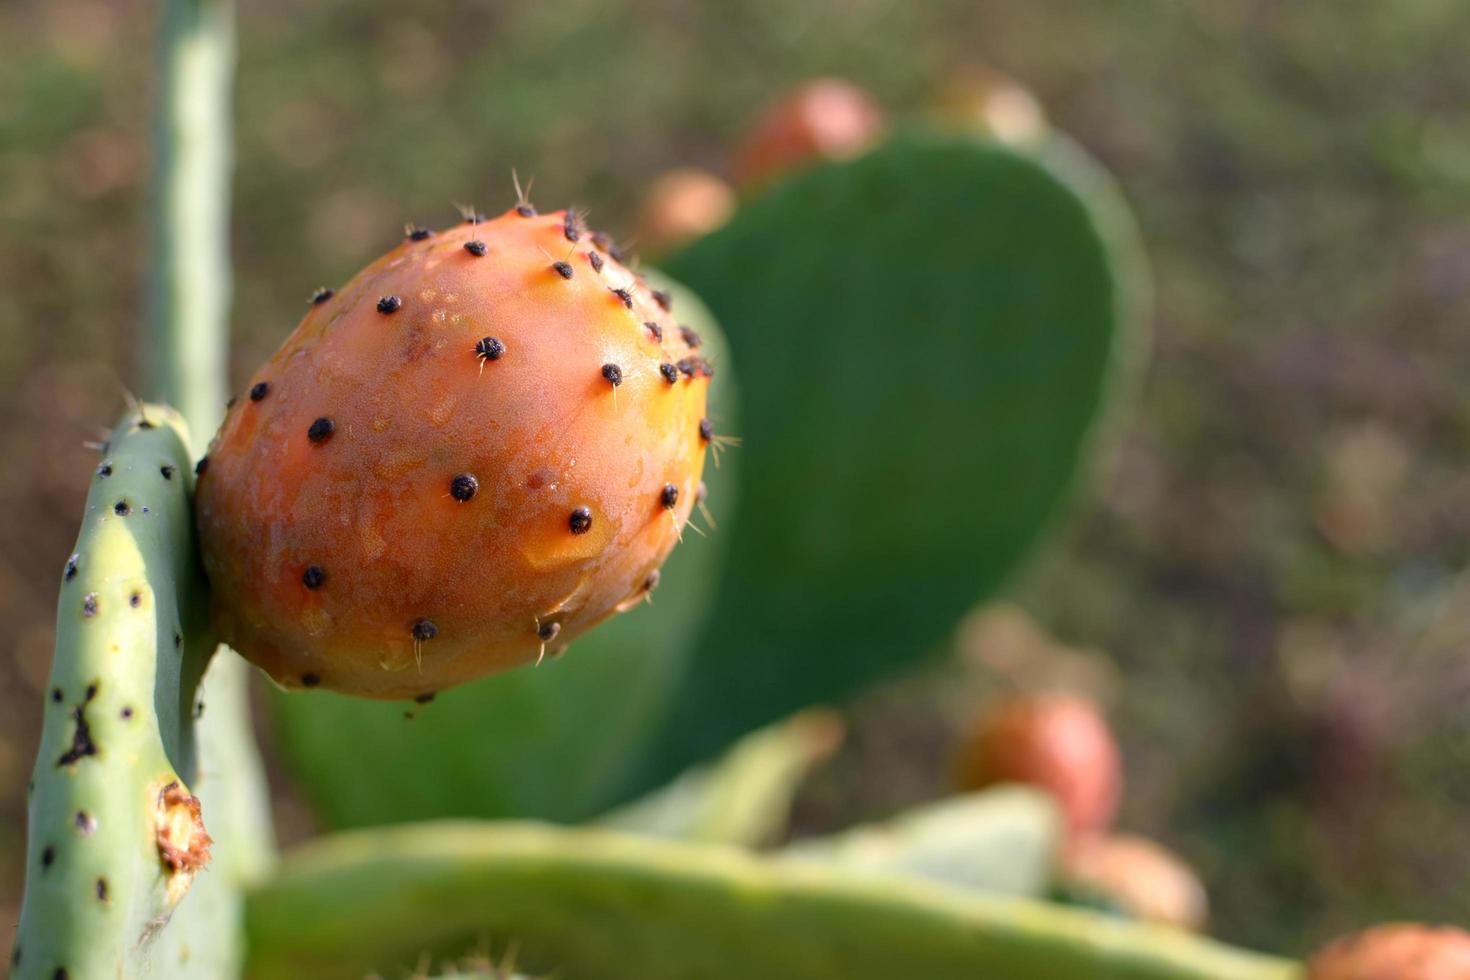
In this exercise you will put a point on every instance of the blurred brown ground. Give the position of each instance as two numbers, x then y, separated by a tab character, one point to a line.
1274	565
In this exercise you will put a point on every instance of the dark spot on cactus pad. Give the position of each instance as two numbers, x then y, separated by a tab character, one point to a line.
145	423
48	856
596	261
199	710
655	331
547	631
89	605
105	470
424	698
668	496
463	487
259	390
70	571
651	583
489	349
167	471
56	695
313	577
122	508
663	299
569	226
321	296
81	740
613	374
624	295
688	366
91	691
526	210
690	337
321	430
581	520
135	599
563	269
670	373
102	889
706	430
178	639
231	403
126	714
390	304
60	974
85	822
201	466
418	234
424	629
310	680
475	248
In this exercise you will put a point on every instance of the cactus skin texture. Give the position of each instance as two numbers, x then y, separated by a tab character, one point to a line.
594	905
115	837
1398	951
484	444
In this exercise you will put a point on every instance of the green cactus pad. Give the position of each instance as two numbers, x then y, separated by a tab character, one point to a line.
1002	841
108	859
594	905
557	740
930	336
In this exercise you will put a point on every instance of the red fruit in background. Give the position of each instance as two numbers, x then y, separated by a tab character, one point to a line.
683	205
1402	951
482	445
824	119
1142	878
1059	743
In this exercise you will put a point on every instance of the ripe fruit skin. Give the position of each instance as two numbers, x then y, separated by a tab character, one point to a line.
1400	951
683	205
443	479
1141	877
1059	743
824	119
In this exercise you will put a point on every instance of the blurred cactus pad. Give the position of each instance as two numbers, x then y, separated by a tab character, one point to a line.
999	295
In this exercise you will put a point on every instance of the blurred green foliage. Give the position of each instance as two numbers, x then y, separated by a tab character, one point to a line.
1273	564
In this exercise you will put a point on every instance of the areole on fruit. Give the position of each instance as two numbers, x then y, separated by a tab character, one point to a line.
457	463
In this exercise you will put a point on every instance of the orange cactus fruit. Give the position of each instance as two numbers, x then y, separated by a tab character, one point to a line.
683	205
824	119
1059	743
484	444
1145	879
1399	951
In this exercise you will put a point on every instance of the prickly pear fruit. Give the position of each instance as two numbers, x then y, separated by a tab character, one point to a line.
983	99
1139	876
683	205
485	443
1401	951
824	119
1057	742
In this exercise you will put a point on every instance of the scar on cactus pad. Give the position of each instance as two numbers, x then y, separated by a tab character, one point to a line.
457	463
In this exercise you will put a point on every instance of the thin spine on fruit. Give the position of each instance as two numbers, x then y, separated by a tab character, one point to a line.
115	838
658	910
